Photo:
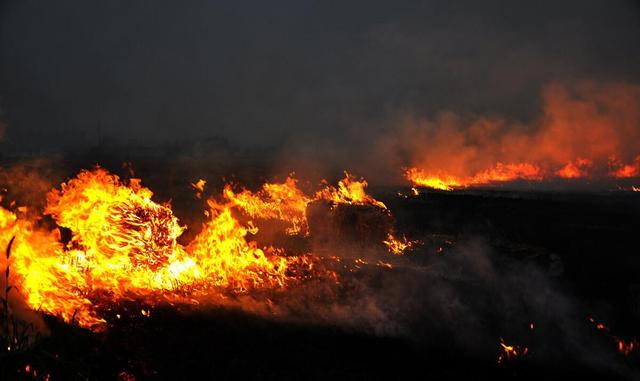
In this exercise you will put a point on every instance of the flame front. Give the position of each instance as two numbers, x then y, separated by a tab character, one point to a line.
499	173
123	245
584	130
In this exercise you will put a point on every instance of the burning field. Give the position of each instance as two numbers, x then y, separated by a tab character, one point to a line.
111	242
99	273
319	190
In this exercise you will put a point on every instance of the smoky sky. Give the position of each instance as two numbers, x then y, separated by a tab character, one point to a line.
261	73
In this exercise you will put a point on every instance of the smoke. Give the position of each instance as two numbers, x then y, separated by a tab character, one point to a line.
463	300
26	182
258	74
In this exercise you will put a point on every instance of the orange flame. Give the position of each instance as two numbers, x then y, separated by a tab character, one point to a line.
285	202
499	173
199	187
397	246
574	170
125	244
510	352
349	191
583	127
621	170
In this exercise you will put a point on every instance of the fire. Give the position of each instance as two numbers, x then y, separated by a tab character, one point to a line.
121	244
349	191
124	244
574	170
111	221
499	173
285	202
398	246
199	187
621	170
225	258
585	130
625	347
420	178
510	352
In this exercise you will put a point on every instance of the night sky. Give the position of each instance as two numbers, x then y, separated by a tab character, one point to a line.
263	73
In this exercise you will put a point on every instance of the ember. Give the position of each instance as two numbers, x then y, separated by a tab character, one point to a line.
511	352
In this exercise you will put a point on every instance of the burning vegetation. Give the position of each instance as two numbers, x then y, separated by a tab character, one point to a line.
103	252
112	242
585	131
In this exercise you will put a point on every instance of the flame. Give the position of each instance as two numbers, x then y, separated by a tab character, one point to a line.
625	347
510	352
349	191
199	187
284	201
621	170
585	130
499	173
124	244
436	181
574	170
397	246
227	259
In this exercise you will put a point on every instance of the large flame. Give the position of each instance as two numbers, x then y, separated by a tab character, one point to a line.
124	244
121	244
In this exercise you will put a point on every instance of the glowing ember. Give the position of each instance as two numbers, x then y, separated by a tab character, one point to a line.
398	246
575	170
626	348
199	187
510	352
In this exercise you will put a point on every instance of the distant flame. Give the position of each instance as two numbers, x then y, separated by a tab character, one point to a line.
585	130
499	173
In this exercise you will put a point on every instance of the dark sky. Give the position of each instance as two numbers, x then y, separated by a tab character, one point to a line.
262	72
